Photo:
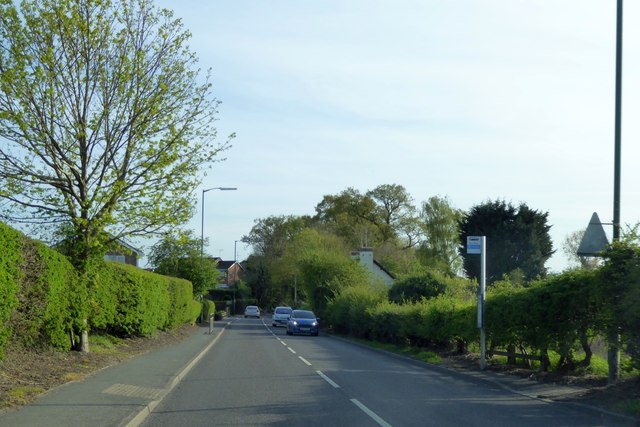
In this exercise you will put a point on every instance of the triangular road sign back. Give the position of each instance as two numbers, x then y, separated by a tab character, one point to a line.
594	240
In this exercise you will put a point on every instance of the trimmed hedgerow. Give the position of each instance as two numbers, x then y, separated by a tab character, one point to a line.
365	313
47	295
126	300
348	311
10	273
44	304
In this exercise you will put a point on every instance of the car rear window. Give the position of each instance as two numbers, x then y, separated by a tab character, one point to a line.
283	311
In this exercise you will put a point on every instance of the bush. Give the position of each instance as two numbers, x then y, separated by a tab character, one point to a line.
208	309
621	291
43	301
431	284
128	301
347	311
386	322
10	274
559	314
413	289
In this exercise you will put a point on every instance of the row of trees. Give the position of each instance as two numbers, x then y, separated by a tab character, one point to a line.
408	240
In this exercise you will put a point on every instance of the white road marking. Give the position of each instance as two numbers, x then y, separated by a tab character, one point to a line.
372	414
283	343
304	360
327	379
291	350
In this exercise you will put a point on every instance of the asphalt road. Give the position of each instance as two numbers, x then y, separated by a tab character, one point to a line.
257	375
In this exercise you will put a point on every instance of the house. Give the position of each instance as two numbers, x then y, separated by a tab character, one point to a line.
231	272
365	257
124	253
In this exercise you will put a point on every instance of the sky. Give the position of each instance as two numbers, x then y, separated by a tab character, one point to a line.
472	100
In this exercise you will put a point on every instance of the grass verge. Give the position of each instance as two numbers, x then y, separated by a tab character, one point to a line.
413	352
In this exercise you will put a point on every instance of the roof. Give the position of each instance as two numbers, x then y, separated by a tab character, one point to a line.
384	269
129	247
225	265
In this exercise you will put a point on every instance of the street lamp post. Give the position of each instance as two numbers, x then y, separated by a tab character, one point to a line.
235	252
202	208
613	354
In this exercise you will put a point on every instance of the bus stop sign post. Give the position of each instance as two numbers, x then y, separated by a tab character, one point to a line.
477	245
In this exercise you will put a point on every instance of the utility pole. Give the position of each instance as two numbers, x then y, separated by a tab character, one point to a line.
613	356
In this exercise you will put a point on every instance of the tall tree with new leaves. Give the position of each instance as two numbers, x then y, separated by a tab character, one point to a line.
517	239
178	254
105	120
350	215
396	214
439	248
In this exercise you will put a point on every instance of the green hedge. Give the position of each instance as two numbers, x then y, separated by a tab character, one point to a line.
126	300
208	309
10	275
42	299
555	314
560	314
43	303
365	313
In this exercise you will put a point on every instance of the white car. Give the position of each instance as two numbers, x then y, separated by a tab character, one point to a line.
252	311
281	316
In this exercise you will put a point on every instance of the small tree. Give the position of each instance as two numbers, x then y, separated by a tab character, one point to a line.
440	226
179	255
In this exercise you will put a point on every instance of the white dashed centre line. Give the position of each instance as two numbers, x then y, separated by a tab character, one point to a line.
327	379
291	350
372	414
304	360
283	343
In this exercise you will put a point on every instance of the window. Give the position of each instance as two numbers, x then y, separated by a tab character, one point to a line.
115	258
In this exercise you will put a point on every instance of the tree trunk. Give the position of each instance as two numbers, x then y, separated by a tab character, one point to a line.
544	360
511	359
584	341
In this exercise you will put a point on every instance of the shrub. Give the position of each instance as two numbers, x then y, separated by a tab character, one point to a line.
208	308
126	300
10	274
50	299
413	289
347	311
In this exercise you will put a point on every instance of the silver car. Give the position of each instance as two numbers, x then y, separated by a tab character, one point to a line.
281	316
252	311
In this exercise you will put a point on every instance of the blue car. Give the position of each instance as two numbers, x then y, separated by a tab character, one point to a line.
303	322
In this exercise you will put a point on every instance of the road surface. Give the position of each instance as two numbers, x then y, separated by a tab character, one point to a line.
256	375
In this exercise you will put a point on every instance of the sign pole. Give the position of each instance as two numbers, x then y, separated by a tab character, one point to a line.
478	245
483	275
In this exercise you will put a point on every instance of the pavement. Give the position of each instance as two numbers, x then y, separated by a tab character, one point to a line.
124	394
120	395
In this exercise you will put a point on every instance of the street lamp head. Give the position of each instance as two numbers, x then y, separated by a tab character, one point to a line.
202	209
219	188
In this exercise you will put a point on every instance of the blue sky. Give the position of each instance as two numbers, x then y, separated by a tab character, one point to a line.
473	100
